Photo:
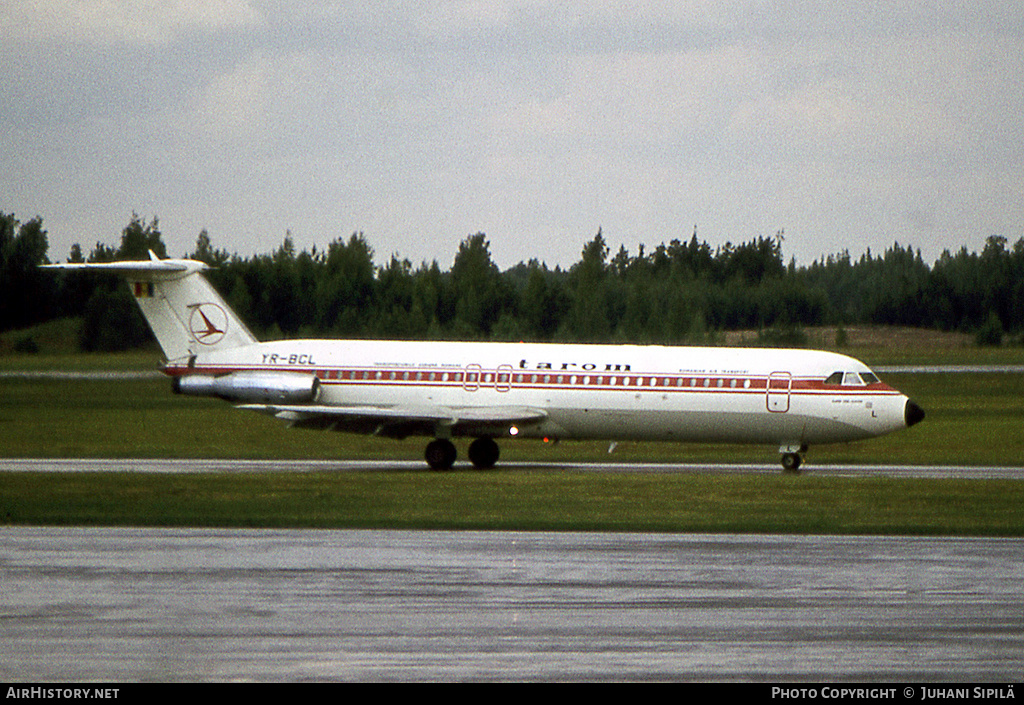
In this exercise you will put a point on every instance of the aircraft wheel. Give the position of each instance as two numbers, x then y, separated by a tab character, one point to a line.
791	462
483	453
440	454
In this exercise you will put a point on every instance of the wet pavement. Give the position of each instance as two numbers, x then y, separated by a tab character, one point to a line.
269	605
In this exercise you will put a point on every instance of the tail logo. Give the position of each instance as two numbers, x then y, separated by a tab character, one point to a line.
208	323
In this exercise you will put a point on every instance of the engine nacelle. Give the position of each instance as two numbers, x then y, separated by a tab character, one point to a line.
265	387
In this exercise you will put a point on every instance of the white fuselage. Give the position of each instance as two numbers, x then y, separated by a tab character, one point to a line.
612	392
488	390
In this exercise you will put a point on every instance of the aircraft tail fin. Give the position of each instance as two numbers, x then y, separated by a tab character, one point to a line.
185	313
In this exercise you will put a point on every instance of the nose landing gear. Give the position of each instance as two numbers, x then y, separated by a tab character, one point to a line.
791	462
792	457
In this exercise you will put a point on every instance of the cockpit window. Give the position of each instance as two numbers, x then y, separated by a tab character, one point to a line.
851	379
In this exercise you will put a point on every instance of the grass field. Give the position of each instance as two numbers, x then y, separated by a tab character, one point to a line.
520	500
972	419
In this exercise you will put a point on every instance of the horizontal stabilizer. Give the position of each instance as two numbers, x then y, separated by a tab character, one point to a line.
168	268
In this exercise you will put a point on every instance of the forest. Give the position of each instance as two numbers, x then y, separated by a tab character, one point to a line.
680	292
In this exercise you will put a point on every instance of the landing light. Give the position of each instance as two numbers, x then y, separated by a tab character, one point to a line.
513	431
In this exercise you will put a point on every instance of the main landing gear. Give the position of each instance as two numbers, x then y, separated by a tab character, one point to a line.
441	453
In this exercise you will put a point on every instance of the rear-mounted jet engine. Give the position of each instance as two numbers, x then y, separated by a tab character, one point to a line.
252	387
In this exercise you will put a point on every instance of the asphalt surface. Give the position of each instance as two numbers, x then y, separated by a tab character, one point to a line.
87	604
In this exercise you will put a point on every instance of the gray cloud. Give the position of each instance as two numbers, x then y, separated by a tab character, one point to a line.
848	126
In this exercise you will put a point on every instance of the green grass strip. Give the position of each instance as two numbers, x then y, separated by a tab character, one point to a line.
519	500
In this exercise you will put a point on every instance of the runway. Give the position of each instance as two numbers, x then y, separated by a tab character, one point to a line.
161	465
126	605
272	606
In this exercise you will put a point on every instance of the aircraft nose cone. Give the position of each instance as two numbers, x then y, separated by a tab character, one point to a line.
912	413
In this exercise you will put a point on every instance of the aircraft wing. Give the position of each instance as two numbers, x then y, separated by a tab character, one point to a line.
402	421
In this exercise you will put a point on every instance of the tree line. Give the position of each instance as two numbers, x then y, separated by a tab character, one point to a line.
676	293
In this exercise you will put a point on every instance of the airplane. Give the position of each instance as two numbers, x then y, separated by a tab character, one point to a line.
488	391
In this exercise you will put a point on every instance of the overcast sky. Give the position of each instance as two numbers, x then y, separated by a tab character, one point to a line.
846	124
